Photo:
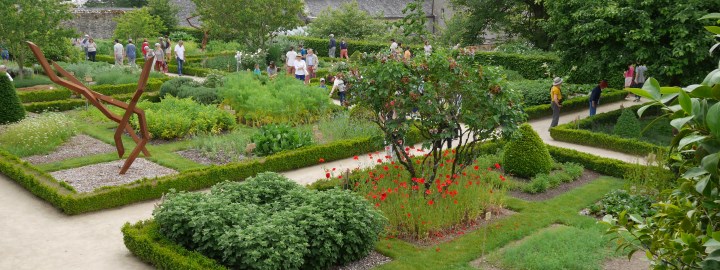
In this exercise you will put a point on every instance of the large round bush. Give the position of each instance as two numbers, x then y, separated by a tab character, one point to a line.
527	155
11	109
270	222
628	125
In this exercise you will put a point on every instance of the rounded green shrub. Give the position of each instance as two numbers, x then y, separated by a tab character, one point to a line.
270	222
628	125
276	138
11	110
527	155
172	87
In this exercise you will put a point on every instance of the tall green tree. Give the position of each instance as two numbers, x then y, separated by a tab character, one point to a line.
38	21
249	21
520	18
347	21
116	3
603	37
138	24
166	11
414	25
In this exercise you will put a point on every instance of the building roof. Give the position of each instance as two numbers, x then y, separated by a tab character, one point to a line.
387	8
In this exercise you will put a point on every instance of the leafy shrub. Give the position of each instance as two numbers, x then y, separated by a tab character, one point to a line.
31	81
282	100
270	222
181	35
341	127
619	200
176	118
37	135
628	125
11	110
216	46
564	173
226	63
539	184
537	92
202	95
272	139
527	155
172	86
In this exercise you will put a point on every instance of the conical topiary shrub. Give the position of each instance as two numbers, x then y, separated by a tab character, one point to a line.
527	155
11	109
628	125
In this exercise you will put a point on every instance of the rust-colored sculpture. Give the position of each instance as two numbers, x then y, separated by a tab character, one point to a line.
95	98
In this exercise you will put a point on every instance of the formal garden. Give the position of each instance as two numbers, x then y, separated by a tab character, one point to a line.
439	159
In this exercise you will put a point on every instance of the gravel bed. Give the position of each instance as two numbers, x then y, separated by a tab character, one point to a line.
78	146
220	159
88	178
371	261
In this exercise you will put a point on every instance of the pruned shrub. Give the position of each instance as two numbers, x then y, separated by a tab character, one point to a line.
527	155
175	118
11	110
270	222
628	125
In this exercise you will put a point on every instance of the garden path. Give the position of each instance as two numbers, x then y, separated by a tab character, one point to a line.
34	235
197	79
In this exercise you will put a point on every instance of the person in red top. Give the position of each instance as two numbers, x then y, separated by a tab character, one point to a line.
145	44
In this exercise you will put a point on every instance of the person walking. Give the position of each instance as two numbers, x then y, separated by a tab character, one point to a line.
312	62
640	78
119	52
159	54
167	47
180	56
131	53
339	85
595	96
238	61
344	49
290	60
92	49
145	45
303	51
84	44
300	68
629	75
332	46
393	45
556	101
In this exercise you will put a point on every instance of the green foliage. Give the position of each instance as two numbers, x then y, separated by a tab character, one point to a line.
537	92
541	182
603	37
115	3
348	21
43	95
254	20
37	135
172	86
243	225
218	46
341	126
166	11
57	105
527	155
514	17
282	100
320	45
11	109
413	25
31	81
182	35
214	79
176	118
619	200
187	88
628	125
39	22
272	139
573	104
138	24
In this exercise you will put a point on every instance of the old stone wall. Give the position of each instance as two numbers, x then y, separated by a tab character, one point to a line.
98	23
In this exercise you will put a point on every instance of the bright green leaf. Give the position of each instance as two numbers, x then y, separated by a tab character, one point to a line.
713	119
690	139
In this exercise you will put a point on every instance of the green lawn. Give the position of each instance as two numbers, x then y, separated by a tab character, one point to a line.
659	133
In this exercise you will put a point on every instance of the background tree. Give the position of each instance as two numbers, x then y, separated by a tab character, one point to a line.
138	24
519	18
414	25
603	37
347	21
38	21
116	3
439	92
249	21
166	11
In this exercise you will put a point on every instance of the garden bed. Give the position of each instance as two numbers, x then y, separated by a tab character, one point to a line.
586	177
458	231
78	146
91	177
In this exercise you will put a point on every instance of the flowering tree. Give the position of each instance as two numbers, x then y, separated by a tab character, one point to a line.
436	94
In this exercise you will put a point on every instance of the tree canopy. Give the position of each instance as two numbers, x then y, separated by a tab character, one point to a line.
166	11
138	24
347	21
249	21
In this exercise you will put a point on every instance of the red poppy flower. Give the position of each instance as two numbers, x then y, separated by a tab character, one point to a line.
502	178
356	157
415	187
385	168
379	160
383	196
437	249
409	215
477	167
327	175
497	166
428	192
321	160
333	169
431	202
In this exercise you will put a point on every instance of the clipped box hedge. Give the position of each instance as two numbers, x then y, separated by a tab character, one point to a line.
570	133
56	106
193	71
145	241
574	104
44	95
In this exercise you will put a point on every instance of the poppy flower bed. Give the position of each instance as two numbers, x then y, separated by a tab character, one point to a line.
418	209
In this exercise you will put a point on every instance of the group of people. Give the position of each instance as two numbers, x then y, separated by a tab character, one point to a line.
332	47
635	77
302	64
161	51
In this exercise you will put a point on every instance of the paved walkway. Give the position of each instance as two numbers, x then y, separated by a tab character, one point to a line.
34	235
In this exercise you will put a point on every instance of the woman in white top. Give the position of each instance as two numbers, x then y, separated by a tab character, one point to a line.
159	58
92	50
428	48
300	68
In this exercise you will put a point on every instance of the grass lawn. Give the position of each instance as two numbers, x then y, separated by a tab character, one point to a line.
659	133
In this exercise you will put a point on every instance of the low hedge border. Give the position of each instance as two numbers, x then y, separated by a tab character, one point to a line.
569	133
574	104
56	106
44	95
193	71
146	189
110	90
144	240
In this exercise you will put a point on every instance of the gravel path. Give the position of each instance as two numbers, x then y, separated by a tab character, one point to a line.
78	146
371	261
88	178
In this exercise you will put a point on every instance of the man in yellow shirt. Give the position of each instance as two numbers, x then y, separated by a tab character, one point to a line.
556	100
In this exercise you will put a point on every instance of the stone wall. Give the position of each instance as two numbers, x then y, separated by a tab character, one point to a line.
98	23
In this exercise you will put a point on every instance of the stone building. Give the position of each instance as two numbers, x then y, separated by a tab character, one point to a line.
97	23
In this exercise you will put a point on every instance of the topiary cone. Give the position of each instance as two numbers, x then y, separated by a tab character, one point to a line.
527	155
11	109
628	125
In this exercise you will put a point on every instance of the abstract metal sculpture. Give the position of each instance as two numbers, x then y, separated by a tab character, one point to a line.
95	99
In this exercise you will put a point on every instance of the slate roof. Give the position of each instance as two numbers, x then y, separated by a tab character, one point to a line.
388	8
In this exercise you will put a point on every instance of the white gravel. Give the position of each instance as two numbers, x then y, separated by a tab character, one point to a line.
88	178
78	146
371	261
